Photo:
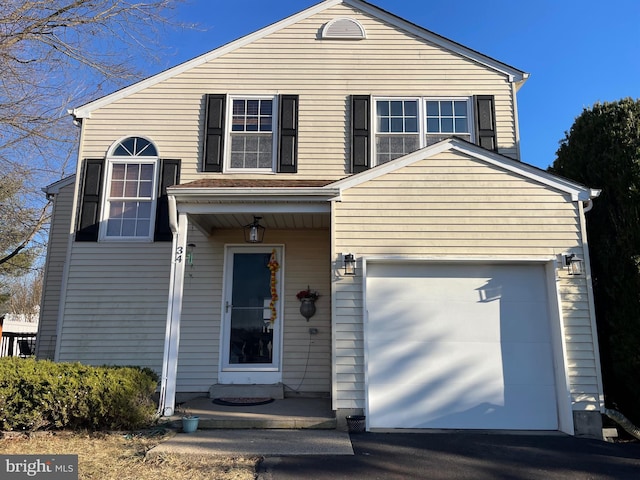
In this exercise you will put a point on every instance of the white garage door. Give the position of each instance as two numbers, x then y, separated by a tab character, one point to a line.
459	346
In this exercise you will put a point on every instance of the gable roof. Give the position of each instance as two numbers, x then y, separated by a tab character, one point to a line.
577	191
514	75
55	187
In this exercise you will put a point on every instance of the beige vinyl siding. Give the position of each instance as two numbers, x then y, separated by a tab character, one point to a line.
455	206
54	271
323	72
582	364
116	304
306	359
200	321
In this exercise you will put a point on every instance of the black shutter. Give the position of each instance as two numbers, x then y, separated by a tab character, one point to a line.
360	133
169	176
288	134
89	212
485	122
213	146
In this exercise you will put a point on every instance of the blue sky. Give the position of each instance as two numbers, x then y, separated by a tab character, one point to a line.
578	52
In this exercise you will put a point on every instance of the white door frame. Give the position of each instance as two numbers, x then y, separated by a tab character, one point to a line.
250	373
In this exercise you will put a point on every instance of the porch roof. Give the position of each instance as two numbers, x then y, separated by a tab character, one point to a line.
207	183
224	203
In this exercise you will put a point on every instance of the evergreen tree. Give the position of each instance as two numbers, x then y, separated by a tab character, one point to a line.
602	150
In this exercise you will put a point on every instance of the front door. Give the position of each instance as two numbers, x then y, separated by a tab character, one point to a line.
252	320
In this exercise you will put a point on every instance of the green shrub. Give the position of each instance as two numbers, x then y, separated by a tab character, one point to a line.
43	395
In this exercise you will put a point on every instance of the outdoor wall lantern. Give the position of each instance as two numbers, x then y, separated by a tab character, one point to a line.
349	264
574	264
254	232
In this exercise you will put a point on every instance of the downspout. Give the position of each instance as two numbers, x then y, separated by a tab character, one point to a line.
167	386
623	421
614	415
587	206
584	207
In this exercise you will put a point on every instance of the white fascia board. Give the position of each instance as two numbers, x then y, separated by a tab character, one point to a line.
85	110
515	75
578	192
392	166
54	188
249	194
247	207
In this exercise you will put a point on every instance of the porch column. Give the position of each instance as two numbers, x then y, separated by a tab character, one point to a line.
174	310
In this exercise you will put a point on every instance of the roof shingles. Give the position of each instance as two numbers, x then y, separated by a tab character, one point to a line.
253	183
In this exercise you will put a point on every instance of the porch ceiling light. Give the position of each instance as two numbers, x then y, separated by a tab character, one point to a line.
254	232
349	264
574	264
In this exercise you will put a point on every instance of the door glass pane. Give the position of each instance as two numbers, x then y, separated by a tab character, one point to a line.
251	339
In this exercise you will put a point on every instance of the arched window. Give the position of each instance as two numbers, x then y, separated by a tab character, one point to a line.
134	147
131	193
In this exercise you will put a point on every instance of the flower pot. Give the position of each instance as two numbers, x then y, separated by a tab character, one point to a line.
307	307
190	424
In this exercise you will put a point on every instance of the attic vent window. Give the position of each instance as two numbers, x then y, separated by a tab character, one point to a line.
343	29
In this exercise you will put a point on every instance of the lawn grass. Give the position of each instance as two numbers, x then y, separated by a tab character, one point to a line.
121	456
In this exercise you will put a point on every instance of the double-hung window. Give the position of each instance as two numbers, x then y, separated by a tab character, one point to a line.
252	134
398	131
404	125
446	118
131	195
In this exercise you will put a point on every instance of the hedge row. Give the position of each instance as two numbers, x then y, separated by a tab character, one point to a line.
43	395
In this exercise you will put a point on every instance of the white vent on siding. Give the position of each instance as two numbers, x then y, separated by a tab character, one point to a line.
344	29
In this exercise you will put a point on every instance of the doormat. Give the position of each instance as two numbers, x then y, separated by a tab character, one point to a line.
242	401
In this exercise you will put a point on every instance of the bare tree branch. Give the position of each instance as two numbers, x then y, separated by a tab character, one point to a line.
56	55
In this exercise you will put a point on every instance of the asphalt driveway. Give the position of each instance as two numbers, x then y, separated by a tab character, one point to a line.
463	455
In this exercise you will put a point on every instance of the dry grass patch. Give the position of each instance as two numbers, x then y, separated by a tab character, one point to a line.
116	456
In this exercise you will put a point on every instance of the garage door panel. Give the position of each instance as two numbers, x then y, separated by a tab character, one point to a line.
530	363
525	322
459	346
450	405
455	405
429	320
470	363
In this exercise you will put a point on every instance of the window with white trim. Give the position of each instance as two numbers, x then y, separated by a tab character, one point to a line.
404	125
446	118
251	145
131	192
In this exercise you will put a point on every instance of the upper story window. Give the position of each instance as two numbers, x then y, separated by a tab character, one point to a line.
252	141
129	203
446	118
404	125
250	133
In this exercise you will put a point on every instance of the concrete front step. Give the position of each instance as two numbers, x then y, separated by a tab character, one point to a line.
275	391
268	423
287	413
